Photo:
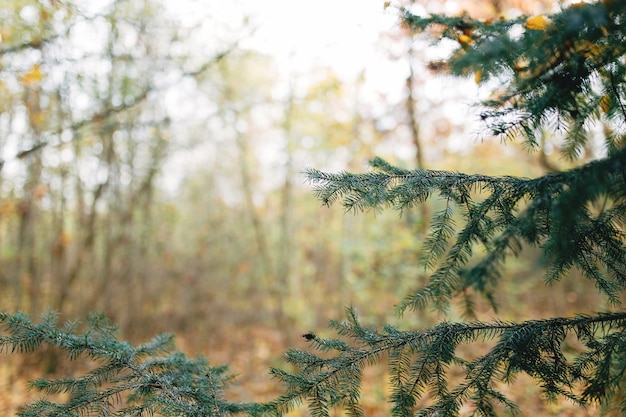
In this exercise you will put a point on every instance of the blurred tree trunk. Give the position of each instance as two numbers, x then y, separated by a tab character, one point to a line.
30	220
414	127
87	237
28	275
262	290
288	286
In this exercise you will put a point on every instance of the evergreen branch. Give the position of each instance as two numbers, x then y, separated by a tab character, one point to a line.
402	396
615	92
128	380
561	71
420	359
550	71
441	230
173	385
549	210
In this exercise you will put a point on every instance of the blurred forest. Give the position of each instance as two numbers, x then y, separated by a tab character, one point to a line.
150	169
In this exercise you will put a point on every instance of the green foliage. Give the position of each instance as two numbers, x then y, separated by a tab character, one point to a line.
421	364
563	73
552	212
126	380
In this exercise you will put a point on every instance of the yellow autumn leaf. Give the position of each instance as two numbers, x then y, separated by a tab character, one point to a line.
32	77
386	4
539	22
605	103
465	40
478	76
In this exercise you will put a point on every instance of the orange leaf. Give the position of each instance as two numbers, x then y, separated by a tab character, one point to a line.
465	40
539	22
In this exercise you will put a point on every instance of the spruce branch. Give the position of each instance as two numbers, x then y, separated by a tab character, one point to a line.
126	380
563	72
551	212
560	67
419	362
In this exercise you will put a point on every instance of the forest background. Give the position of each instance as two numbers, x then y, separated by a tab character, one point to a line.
151	168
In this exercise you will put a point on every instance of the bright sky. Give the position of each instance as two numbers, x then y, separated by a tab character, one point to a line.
304	35
300	34
342	33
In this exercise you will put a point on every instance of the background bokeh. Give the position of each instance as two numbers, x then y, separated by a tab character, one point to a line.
151	167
